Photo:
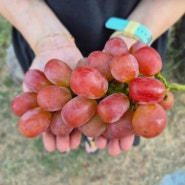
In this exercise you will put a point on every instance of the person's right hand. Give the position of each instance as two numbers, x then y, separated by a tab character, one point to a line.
59	47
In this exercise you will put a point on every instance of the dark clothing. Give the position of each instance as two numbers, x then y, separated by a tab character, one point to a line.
85	20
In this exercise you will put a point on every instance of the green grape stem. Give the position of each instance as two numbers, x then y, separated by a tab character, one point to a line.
170	86
116	87
177	87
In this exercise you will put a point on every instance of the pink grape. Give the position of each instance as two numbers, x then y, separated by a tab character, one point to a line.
112	107
88	82
58	72
34	122
24	102
136	46
78	110
149	60
124	68
145	90
149	120
168	102
53	98
115	46
121	128
58	127
100	61
94	127
35	80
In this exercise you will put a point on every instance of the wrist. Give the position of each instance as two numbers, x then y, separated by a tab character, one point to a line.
54	40
59	46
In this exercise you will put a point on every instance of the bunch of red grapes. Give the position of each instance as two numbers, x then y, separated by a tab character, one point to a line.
113	93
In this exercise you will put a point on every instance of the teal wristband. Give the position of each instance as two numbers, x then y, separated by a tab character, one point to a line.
130	28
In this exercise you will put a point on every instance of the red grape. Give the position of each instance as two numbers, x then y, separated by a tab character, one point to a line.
100	61
149	60
124	68
58	72
112	107
145	90
88	82
78	110
58	127
136	46
123	127
53	98
35	80
34	122
115	46
149	120
94	127
168	101
23	102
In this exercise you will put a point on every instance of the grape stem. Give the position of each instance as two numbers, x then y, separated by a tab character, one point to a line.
175	86
116	87
170	86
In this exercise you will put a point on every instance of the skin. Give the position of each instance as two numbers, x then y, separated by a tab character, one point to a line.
154	14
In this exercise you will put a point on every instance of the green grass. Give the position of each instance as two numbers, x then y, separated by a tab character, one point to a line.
4	36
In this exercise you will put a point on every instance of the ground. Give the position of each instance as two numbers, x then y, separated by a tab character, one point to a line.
25	162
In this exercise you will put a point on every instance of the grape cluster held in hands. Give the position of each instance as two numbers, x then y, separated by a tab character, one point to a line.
111	93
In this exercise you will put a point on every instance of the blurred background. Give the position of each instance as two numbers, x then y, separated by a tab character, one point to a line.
158	161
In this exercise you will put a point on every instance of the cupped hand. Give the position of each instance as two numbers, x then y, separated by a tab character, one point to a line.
63	48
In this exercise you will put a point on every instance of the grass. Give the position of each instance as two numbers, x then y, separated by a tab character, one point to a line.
4	36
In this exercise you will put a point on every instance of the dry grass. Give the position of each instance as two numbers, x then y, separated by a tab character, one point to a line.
25	162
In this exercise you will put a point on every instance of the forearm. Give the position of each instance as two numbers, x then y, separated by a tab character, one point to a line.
158	16
32	18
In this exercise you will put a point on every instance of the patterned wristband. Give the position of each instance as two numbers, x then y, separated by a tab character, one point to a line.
132	29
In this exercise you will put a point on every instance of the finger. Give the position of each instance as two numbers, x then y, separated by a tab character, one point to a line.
39	62
75	139
49	141
25	89
114	147
101	142
126	142
62	143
